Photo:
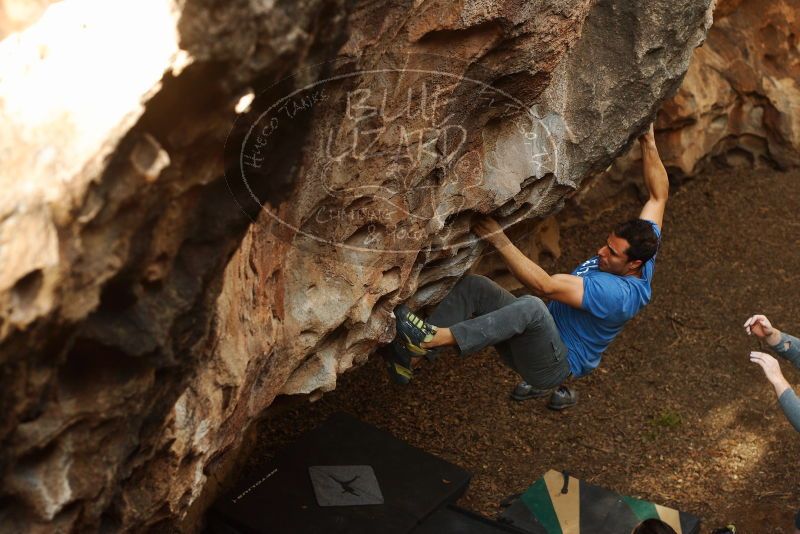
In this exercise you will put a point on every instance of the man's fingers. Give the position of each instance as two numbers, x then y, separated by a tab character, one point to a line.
485	226
481	224
478	227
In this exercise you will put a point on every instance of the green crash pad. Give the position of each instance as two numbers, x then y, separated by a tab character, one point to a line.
560	504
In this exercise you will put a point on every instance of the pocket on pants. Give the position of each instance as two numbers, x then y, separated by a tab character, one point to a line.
558	354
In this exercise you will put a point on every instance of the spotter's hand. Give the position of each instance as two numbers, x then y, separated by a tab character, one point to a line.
758	325
770	366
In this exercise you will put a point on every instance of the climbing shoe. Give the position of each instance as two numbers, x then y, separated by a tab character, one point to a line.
398	362
563	397
525	391
413	330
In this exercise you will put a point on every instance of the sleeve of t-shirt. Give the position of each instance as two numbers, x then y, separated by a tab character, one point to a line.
657	230
789	348
655	226
604	296
791	407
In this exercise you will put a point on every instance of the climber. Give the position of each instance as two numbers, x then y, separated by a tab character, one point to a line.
545	344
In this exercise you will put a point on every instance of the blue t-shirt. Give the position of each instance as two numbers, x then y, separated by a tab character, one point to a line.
609	301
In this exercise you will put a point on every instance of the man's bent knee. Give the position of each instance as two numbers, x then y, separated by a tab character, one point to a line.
475	280
475	284
533	305
533	310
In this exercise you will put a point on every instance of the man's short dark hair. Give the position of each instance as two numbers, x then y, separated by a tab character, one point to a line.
641	237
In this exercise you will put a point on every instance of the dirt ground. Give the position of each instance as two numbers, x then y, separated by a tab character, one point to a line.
675	414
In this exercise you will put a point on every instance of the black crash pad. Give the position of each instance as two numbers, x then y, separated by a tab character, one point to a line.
280	497
454	520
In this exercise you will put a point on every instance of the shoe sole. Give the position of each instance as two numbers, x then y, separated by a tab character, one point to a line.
563	405
530	396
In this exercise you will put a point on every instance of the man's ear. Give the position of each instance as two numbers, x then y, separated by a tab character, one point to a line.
635	264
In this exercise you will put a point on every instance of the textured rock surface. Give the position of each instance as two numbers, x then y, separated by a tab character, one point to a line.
738	106
146	320
740	102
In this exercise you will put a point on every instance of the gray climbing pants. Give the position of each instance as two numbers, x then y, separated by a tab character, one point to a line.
480	313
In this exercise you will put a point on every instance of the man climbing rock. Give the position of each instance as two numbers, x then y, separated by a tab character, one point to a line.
546	343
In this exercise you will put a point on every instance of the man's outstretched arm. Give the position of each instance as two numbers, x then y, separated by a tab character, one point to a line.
564	288
655	178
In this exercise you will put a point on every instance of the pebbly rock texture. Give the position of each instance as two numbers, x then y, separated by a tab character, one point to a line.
738	106
740	102
158	291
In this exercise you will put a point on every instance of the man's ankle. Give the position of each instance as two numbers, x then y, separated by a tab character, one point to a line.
442	337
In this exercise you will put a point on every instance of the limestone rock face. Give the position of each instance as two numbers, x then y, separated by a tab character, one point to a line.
738	106
740	101
183	239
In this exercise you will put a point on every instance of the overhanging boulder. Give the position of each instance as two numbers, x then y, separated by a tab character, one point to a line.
147	320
